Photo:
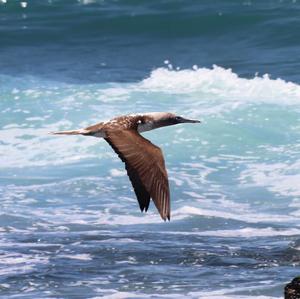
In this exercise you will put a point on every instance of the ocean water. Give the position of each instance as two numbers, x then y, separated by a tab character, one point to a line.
70	225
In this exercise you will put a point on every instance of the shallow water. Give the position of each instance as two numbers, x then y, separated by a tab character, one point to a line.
70	224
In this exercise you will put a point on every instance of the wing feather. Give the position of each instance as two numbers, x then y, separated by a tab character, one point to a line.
145	167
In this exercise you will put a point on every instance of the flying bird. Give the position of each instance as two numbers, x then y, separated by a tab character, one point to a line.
143	160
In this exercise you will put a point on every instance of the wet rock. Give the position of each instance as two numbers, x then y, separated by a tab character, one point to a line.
292	289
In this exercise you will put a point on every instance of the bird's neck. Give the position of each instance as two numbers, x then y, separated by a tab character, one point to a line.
151	125
144	127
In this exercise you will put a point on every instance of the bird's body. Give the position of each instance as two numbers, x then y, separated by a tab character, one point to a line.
143	160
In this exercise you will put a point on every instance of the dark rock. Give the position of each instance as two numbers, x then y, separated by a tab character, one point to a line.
292	289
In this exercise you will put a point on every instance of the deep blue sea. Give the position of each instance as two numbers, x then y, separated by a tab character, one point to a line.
70	226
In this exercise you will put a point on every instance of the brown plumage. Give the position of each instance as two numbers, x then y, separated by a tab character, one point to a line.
144	161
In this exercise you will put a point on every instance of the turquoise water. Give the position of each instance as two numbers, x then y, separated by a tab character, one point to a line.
70	225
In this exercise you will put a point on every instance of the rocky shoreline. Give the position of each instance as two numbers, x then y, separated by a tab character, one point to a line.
292	289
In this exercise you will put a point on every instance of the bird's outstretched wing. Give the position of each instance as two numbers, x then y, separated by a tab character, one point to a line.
145	167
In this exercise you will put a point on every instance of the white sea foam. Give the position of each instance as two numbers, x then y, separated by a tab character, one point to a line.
224	296
12	263
42	150
244	216
221	294
117	172
124	211
281	177
218	294
247	232
82	257
224	84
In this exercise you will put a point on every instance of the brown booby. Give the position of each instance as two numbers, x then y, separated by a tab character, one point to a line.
143	160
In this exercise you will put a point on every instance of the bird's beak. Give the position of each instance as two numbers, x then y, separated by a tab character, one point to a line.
185	120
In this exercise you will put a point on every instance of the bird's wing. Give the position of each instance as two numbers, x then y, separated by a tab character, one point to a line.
145	167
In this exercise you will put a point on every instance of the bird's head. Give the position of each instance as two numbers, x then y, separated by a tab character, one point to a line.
174	119
156	120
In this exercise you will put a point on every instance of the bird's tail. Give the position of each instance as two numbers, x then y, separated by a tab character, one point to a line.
72	132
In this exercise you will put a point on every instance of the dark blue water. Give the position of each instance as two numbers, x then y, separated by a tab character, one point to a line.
96	41
69	223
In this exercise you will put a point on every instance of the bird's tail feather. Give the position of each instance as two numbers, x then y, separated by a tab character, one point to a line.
72	132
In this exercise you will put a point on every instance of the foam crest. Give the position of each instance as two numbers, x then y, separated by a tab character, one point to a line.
247	216
222	294
247	232
223	83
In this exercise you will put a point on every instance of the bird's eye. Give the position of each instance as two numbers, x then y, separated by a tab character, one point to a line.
178	118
